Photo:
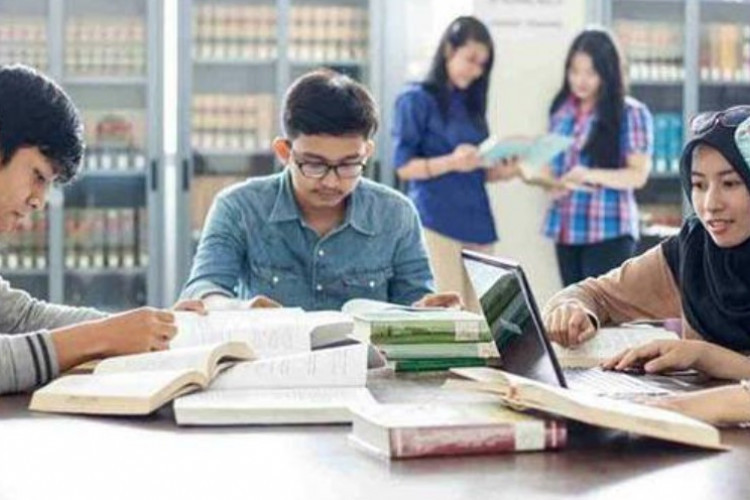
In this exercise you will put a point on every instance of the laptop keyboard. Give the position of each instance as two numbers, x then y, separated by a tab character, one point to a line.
602	382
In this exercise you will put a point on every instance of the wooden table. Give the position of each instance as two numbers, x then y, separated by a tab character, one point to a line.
53	457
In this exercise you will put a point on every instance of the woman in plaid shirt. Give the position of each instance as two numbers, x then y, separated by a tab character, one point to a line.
595	222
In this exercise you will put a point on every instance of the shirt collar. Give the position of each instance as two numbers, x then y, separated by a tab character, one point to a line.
285	207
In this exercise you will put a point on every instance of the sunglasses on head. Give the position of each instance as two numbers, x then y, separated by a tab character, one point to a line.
730	118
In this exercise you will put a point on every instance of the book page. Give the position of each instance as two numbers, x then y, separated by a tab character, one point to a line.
609	342
268	335
271	406
335	367
187	358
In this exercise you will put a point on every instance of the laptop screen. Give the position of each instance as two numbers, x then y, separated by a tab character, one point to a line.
513	318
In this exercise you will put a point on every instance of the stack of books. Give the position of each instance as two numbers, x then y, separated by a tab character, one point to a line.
422	339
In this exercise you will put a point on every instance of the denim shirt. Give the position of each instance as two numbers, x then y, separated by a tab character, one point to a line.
256	242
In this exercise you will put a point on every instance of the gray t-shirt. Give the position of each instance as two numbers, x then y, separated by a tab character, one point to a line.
27	355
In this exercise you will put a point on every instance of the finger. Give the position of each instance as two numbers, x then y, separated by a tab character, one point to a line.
635	356
587	333
614	360
159	345
164	316
575	327
167	332
664	362
558	317
193	305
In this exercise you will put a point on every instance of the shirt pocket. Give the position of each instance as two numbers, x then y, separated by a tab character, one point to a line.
367	284
276	282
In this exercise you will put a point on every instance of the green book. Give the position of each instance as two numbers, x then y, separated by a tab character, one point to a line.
436	364
384	323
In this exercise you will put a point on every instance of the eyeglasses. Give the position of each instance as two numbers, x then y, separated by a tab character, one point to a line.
319	169
731	117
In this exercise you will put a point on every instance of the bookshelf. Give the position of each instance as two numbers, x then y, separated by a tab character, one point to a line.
99	233
238	59
683	57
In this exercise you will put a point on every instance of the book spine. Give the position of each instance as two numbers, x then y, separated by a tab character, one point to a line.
424	365
477	440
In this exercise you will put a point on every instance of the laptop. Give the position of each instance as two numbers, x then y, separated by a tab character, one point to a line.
513	317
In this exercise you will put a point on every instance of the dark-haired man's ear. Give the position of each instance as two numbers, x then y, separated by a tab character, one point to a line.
283	149
369	148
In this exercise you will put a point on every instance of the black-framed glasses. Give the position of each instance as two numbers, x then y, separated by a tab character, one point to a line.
316	169
731	117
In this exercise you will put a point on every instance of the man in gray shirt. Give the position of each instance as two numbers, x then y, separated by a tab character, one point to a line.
41	144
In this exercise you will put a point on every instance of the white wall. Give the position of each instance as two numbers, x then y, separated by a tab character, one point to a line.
531	41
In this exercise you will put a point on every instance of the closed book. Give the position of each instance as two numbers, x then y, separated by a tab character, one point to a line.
424	430
435	364
426	351
384	323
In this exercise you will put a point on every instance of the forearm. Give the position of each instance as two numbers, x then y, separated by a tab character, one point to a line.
720	362
426	168
79	343
633	176
26	361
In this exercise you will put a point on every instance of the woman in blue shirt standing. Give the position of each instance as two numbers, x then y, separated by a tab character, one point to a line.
595	229
438	126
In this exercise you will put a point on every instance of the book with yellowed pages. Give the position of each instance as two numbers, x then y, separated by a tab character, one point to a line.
607	343
520	392
441	429
138	384
314	387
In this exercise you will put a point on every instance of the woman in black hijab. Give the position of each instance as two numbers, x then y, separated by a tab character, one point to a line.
710	261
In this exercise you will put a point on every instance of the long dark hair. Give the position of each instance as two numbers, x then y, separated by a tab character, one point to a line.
459	32
603	145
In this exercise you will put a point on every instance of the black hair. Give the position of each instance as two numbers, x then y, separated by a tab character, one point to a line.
461	31
36	112
603	145
324	102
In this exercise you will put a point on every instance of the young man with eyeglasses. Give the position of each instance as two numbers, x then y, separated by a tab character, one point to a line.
318	233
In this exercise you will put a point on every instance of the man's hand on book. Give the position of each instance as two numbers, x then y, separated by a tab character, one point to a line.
569	324
504	170
448	299
140	330
261	301
577	176
193	305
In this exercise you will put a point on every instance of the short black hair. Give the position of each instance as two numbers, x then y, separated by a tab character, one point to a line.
36	112
324	102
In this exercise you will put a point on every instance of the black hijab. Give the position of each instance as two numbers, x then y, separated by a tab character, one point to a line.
714	282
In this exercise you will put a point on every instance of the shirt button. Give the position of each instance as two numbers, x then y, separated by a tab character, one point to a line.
372	284
319	288
321	253
275	279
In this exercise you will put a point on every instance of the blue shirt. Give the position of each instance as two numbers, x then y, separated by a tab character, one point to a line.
454	204
255	241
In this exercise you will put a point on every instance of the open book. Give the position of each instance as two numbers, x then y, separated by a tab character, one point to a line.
314	387
140	383
384	323
535	152
271	332
609	342
520	392
440	429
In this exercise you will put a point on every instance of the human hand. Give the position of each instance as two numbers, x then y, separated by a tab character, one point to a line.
465	158
569	324
661	355
131	332
261	301
721	405
449	300
577	176
505	169
192	305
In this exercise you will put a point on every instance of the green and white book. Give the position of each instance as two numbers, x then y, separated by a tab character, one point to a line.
383	323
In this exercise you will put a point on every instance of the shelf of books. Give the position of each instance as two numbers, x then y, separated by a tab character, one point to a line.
244	54
652	38
105	68
92	246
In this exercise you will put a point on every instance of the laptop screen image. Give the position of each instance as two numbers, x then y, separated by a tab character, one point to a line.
513	318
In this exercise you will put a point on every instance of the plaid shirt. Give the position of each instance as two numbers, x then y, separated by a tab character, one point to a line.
591	217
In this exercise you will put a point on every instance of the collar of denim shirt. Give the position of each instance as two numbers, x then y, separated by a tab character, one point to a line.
285	208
